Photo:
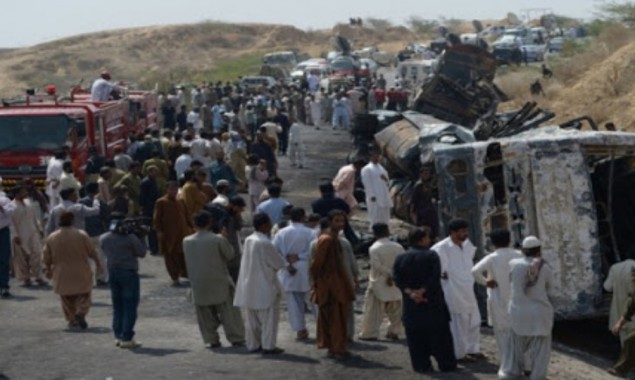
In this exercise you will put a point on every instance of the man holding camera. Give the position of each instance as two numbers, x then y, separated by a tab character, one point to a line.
123	247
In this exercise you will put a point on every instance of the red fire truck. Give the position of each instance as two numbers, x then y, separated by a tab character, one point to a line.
143	107
32	132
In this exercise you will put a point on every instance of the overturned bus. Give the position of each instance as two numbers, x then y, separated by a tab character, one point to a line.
573	189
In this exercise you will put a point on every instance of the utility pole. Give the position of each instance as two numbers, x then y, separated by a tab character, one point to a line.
529	14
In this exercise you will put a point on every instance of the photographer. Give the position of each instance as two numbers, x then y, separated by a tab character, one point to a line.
123	245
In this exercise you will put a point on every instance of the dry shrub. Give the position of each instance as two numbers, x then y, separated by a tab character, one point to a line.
516	83
553	89
616	36
570	69
599	112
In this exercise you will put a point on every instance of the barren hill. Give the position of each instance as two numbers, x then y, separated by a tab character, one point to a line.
598	81
175	53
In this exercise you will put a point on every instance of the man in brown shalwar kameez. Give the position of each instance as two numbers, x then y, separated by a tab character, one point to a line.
66	253
172	224
332	290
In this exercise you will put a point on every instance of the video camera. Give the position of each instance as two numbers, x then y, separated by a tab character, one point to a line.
139	226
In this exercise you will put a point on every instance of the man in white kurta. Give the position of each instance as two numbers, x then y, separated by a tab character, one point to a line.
258	289
456	254
620	284
382	297
54	172
26	235
344	182
378	200
292	242
496	265
531	313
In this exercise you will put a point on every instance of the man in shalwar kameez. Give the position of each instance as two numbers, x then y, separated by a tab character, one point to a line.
378	200
26	233
258	290
65	255
531	313
54	171
172	224
212	289
456	253
382	297
293	244
344	182
332	290
496	264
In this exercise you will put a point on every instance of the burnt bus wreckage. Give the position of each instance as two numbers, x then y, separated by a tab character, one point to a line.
454	156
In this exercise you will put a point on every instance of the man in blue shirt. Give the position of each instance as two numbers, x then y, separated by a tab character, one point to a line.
274	205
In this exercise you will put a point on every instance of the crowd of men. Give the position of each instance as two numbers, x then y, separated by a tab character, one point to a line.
181	194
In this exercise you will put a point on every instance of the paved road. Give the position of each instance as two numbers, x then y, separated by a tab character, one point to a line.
35	345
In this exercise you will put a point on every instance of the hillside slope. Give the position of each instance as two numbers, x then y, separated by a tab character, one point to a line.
169	53
598	82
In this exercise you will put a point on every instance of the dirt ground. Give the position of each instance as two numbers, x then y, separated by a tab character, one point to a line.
34	342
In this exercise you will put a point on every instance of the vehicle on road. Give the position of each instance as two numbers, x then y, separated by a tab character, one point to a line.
255	81
554	45
414	72
533	53
33	132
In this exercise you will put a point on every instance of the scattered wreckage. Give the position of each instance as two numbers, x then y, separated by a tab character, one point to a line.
454	156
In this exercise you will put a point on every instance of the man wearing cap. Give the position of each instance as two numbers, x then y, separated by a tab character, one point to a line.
102	88
531	313
293	244
378	201
496	264
456	253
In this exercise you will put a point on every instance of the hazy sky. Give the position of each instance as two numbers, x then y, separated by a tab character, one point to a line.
28	22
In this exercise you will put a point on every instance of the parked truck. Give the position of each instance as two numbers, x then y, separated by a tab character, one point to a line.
32	132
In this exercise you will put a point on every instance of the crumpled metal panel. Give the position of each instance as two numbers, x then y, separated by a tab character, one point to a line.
548	193
456	189
567	226
399	144
462	62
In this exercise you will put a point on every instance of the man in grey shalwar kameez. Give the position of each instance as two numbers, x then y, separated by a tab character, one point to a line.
531	313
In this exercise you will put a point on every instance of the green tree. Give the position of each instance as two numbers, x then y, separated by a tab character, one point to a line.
617	11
